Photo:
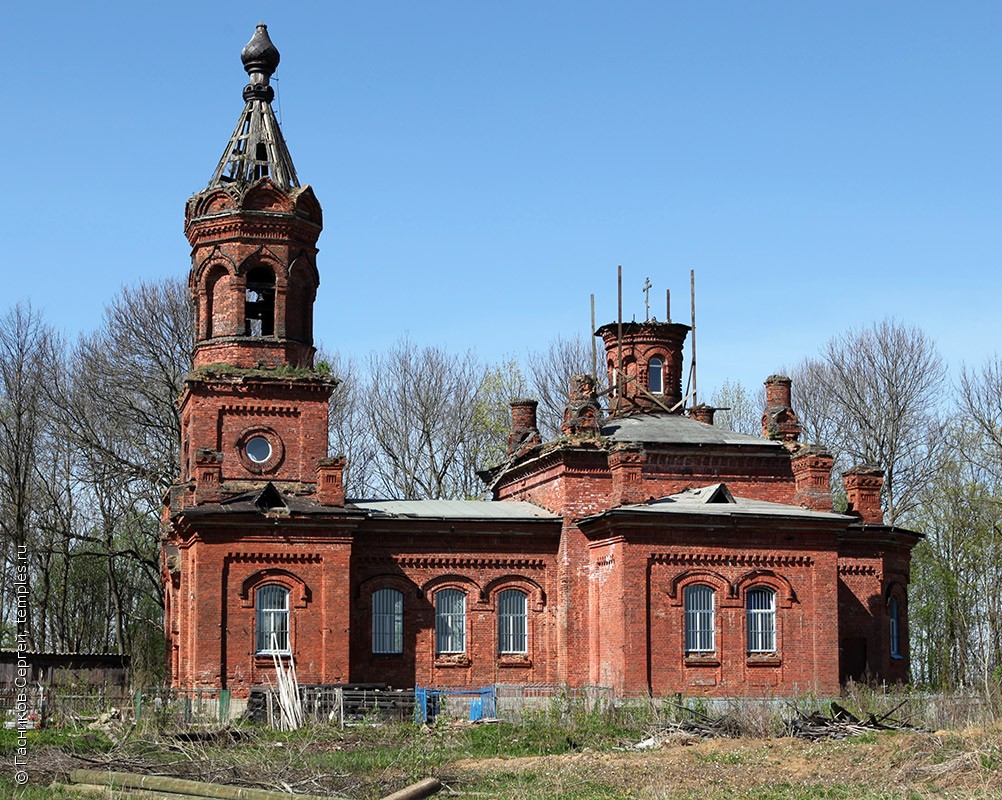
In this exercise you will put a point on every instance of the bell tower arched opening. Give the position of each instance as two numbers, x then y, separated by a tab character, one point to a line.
259	309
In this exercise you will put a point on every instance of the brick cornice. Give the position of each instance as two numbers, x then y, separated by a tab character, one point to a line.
262	409
271	557
456	562
731	559
845	568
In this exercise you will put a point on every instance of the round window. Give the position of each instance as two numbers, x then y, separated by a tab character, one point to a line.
258	449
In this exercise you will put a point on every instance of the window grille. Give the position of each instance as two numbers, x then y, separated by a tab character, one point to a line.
513	634
655	376
699	619
893	612
387	621
273	619
450	621
761	611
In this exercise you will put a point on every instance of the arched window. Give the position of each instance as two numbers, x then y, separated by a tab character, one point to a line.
273	619
259	310
894	617
387	621
513	632
655	376
450	621
760	607
699	619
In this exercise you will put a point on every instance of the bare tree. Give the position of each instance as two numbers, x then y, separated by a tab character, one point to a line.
550	372
981	399
956	602
873	396
29	356
126	379
116	410
421	408
501	384
348	430
740	412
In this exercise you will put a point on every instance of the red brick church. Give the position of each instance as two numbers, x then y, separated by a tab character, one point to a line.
646	549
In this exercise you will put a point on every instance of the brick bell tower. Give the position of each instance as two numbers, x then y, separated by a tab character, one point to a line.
253	410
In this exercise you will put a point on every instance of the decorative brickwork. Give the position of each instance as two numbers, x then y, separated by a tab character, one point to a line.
630	351
596	544
863	484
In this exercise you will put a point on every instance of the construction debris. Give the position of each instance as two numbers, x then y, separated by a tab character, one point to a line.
843	724
289	700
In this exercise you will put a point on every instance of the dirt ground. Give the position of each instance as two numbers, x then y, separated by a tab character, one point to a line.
943	764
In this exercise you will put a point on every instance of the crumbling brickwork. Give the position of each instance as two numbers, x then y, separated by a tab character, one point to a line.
644	550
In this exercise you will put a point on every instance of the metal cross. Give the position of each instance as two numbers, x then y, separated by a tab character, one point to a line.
647	299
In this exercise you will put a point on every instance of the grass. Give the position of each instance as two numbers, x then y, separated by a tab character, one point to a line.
561	751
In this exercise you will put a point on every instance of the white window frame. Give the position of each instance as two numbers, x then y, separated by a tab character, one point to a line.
450	622
894	620
760	609
387	621
513	622
660	370
271	604
700	618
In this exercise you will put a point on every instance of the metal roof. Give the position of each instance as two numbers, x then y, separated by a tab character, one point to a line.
676	429
455	509
716	500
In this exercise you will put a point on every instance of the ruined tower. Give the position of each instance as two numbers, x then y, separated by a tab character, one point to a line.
253	408
644	364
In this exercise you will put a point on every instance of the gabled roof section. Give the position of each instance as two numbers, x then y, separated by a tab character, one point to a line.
270	499
717	500
715	493
257	149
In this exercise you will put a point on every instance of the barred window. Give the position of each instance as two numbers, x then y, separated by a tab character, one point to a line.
273	619
513	636
655	376
760	604
894	615
699	619
387	621
450	621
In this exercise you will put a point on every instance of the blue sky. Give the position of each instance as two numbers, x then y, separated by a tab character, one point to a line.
484	167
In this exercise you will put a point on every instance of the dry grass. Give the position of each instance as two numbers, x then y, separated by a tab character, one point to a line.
566	753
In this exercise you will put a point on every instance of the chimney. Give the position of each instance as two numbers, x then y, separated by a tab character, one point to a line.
524	429
208	476
812	472
779	420
330	481
582	414
862	492
702	413
626	465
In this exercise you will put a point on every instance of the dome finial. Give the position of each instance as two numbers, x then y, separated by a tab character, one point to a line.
257	150
259	54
